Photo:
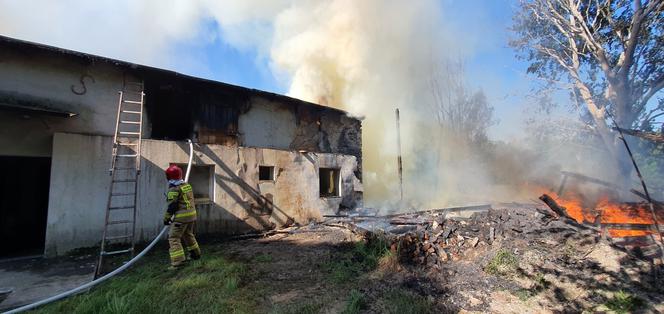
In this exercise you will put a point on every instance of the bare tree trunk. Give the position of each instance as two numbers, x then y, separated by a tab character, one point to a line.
612	143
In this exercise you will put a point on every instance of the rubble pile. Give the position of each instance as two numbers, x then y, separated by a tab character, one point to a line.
432	239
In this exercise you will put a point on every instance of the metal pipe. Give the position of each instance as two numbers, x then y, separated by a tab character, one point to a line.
191	157
400	168
645	188
91	283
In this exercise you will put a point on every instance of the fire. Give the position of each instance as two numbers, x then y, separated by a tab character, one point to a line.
621	219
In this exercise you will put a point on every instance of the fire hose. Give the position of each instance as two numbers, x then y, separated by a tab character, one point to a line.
111	274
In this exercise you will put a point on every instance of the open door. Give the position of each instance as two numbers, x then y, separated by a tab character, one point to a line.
24	188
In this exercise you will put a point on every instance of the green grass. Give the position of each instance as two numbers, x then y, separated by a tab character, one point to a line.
219	284
263	258
624	302
502	264
404	302
356	302
212	284
362	257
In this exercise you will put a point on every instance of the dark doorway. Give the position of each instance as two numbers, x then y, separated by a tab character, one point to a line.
24	182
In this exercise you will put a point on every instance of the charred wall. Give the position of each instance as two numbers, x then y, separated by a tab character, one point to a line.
228	115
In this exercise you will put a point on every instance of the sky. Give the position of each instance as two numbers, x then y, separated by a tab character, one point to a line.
185	38
363	56
490	62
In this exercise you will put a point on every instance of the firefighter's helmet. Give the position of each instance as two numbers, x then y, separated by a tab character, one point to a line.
174	172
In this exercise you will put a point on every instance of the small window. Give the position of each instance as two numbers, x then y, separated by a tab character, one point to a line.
266	173
201	178
329	182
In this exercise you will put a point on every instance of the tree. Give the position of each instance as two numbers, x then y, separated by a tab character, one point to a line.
462	114
461	118
609	53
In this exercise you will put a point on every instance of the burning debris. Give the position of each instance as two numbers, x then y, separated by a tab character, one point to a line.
433	238
536	250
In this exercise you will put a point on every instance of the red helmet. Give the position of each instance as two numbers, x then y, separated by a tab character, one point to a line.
174	172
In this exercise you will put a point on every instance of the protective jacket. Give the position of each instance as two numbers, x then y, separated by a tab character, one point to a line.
181	207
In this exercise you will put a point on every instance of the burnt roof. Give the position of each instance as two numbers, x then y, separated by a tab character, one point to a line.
152	71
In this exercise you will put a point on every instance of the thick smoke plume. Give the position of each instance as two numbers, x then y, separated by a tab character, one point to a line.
367	57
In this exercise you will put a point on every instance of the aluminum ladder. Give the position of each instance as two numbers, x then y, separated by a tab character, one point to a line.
120	221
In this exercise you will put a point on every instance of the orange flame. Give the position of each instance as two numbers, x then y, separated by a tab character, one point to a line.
605	211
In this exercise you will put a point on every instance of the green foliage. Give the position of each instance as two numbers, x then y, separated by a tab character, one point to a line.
650	159
545	34
502	264
364	256
624	302
356	302
403	302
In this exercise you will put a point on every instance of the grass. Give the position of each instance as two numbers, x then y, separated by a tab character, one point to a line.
219	284
624	302
404	302
363	257
356	302
212	284
503	263
310	307
263	258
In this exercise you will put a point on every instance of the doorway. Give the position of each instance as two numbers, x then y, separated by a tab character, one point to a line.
24	184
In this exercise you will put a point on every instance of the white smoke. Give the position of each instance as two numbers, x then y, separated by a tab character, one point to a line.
367	57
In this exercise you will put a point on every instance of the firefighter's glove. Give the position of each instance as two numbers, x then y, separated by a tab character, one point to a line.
167	220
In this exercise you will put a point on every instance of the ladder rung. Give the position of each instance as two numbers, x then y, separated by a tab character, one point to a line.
117	222
132	102
131	111
121	181
116	252
134	83
121	194
127	155
128	168
127	144
119	237
129	133
129	122
120	207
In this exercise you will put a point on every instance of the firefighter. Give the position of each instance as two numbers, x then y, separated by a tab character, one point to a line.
181	213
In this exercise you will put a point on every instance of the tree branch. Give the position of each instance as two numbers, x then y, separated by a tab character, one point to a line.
655	87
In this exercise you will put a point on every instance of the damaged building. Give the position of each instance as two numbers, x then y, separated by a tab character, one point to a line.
261	160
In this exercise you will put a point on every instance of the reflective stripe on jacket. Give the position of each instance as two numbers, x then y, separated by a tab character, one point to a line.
181	203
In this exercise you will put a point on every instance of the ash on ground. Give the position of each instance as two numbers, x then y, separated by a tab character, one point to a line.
518	258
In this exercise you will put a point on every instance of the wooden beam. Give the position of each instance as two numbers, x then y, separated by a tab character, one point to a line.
651	136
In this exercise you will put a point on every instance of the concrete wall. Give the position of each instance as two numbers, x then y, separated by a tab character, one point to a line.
80	185
54	80
267	125
276	125
272	129
89	89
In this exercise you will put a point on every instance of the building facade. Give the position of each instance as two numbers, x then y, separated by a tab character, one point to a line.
261	160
